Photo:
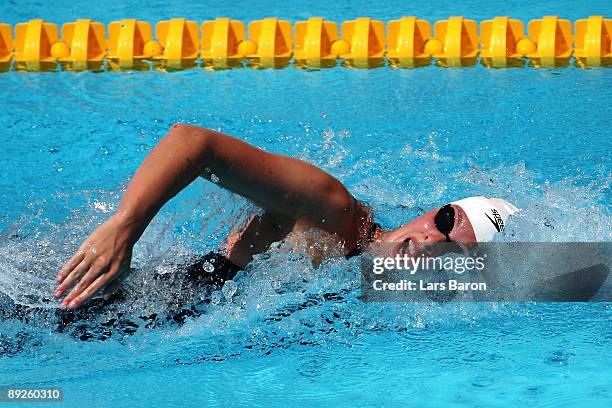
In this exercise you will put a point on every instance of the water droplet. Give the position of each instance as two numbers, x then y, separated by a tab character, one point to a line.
482	381
559	358
214	178
208	267
102	206
229	289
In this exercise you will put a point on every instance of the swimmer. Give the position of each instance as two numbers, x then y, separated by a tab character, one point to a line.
294	196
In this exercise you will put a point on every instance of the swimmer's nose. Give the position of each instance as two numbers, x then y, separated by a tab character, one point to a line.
429	238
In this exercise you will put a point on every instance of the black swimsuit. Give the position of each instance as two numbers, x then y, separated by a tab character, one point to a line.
220	267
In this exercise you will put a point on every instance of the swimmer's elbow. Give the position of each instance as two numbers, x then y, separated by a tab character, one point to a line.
339	200
192	134
342	200
197	139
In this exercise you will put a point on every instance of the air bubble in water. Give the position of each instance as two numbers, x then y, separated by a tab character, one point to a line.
214	178
215	297
208	267
229	289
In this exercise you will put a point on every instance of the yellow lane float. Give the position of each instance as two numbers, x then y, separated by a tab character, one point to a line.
503	41
315	40
273	40
406	40
180	42
553	38
130	41
593	41
224	43
221	38
86	42
459	38
366	39
33	42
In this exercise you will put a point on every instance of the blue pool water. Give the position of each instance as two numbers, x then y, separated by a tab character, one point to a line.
402	140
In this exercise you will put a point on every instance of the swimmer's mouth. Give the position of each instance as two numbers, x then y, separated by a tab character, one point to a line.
408	247
415	248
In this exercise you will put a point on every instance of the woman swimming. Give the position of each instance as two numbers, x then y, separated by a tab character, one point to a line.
294	196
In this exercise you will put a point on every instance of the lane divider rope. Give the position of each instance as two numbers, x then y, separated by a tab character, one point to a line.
272	42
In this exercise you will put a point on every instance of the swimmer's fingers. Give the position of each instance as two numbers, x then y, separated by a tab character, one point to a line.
85	282
115	282
70	265
72	277
98	276
89	292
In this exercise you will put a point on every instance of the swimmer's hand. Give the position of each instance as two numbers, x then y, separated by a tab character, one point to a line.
103	260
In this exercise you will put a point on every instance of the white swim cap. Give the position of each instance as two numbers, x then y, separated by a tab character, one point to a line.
487	215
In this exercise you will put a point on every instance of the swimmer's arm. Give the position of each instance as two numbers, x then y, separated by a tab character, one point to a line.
287	187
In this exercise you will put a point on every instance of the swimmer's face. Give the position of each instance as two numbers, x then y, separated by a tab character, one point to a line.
420	233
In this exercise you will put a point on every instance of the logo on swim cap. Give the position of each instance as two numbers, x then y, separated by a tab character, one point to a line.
498	222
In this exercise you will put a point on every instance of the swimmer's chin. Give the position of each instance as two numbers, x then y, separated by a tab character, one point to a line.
407	247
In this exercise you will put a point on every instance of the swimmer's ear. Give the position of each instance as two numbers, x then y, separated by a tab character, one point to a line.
115	283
